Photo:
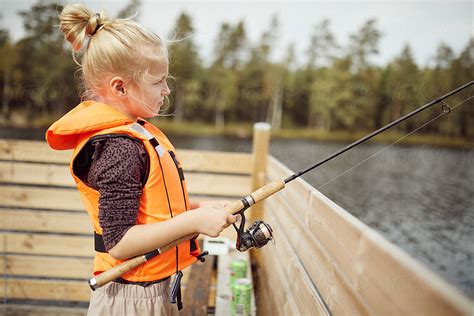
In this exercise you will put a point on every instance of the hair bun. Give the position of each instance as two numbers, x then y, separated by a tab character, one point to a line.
77	22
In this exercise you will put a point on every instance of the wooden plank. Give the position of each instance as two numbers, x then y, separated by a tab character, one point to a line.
42	198
40	266
41	310
37	151
197	288
211	302
270	290
218	185
275	278
55	290
192	160
215	161
387	275
45	221
57	175
36	174
224	291
300	283
273	292
320	266
49	244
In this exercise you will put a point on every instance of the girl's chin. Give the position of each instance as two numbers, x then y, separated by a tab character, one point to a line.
154	112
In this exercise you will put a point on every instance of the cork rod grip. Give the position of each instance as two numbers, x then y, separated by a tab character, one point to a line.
115	272
267	190
233	208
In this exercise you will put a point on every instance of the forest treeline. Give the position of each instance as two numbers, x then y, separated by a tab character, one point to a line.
337	88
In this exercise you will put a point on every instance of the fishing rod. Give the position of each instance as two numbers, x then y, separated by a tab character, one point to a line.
259	233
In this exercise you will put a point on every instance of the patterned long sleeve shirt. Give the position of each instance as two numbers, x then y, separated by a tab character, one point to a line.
117	171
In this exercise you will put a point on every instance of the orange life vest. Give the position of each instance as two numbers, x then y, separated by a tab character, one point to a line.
164	194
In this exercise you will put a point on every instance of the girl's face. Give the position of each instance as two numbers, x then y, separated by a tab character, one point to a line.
146	98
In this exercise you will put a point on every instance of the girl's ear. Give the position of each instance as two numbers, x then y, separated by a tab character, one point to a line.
117	86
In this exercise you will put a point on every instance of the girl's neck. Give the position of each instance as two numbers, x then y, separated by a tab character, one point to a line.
118	108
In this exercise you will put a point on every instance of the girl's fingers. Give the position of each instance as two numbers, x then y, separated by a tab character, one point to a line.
231	219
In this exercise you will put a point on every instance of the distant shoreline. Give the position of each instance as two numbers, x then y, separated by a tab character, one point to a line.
245	130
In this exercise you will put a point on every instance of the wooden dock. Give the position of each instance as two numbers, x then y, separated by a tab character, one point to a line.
324	262
47	241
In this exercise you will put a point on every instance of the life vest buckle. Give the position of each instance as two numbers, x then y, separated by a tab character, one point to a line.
202	255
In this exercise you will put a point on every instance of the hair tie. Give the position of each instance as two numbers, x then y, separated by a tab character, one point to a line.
99	25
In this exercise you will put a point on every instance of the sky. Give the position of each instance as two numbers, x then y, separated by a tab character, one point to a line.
421	24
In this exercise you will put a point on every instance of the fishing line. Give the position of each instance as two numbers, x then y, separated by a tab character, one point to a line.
446	109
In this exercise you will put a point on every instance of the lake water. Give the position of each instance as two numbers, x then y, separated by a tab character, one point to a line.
420	198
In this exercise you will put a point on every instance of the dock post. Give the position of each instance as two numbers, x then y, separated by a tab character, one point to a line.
261	141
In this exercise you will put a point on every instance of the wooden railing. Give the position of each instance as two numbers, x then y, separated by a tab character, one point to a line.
326	261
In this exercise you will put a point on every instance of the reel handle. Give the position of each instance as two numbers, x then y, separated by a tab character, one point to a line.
233	208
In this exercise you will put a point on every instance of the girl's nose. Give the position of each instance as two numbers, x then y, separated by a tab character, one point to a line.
166	91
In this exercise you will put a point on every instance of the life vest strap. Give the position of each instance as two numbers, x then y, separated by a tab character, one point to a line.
99	245
140	129
192	245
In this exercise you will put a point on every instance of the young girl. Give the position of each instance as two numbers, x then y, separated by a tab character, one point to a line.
126	170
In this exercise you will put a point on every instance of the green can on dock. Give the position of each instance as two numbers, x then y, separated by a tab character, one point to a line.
241	297
238	269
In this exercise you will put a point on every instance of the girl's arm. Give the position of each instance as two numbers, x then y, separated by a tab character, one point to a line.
208	220
116	172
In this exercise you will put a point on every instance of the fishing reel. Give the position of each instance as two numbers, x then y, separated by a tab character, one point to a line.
257	235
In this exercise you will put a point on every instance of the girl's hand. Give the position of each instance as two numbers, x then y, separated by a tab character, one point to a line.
219	203
212	219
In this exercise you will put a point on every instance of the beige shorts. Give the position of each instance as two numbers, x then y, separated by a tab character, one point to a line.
128	299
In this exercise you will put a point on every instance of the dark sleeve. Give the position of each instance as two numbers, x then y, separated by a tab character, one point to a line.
117	169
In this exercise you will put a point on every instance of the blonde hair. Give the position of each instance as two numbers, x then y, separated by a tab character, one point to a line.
109	47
